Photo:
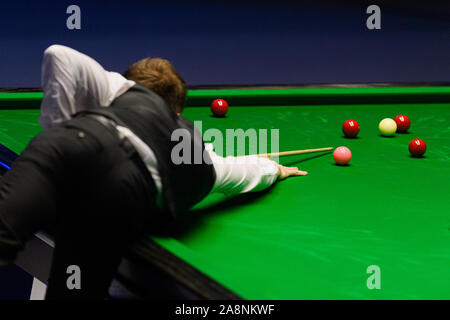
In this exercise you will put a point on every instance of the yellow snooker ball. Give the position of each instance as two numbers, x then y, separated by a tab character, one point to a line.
387	127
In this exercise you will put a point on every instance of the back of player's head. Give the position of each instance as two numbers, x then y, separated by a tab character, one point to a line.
160	76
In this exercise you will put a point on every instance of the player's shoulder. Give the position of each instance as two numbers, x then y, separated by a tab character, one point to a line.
57	50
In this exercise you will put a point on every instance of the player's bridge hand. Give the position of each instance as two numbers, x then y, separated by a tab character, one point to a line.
284	172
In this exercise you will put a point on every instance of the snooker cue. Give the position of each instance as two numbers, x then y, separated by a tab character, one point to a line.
293	152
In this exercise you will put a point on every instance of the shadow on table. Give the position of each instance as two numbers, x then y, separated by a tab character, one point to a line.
293	163
193	219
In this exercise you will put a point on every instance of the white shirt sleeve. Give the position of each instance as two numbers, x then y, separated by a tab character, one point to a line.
73	82
235	175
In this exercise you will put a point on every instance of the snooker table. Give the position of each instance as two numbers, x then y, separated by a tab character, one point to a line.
311	237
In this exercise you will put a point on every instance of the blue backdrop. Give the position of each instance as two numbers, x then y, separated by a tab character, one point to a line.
236	42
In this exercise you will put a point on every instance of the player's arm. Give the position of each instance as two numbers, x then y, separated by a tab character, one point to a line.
235	175
73	82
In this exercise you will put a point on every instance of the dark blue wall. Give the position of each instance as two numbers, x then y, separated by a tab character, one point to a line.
236	42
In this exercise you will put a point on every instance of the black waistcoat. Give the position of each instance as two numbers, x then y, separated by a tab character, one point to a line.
147	115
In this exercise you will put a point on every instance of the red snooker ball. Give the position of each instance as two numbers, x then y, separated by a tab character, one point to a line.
403	123
342	155
417	147
350	128
219	107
